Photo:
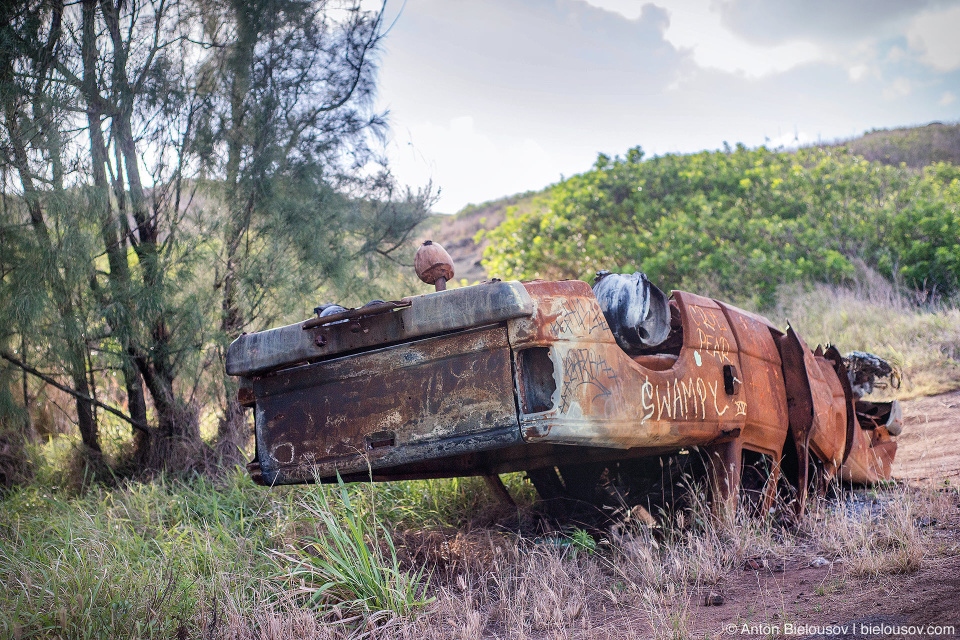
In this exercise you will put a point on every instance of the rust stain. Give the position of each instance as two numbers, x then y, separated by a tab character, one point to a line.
606	398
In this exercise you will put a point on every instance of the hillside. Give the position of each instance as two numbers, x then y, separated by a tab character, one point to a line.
456	233
725	184
914	146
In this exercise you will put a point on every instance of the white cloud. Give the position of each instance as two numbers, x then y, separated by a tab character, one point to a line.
464	161
630	9
832	22
896	54
860	71
948	97
899	88
698	27
934	35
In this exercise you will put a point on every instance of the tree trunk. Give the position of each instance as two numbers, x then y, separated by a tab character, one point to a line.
178	423
76	348
232	436
115	246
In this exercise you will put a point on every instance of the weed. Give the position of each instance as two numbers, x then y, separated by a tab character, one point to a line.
873	538
349	565
225	559
875	316
582	541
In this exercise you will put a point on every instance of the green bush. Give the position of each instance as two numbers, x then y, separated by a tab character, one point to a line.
740	223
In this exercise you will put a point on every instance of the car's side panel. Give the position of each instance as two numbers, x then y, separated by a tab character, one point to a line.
830	429
604	398
765	429
871	456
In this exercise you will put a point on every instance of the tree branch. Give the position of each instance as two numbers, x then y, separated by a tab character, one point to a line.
25	367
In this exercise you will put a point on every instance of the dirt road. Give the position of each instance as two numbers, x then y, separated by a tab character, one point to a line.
929	447
826	602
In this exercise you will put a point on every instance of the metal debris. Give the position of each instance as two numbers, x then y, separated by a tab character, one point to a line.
864	369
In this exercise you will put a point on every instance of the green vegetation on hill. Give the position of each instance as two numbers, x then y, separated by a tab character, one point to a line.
740	223
457	233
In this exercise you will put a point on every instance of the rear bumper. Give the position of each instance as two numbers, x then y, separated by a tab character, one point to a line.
413	402
441	312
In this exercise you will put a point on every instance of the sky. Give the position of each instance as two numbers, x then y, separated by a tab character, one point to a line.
487	98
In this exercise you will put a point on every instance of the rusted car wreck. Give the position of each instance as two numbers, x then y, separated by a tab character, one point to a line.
580	387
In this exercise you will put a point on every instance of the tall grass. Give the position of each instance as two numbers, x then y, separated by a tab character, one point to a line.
130	563
160	559
345	563
200	559
922	339
881	532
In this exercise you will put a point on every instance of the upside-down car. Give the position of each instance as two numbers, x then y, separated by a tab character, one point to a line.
580	387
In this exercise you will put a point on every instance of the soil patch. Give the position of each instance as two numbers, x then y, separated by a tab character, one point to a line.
929	447
818	602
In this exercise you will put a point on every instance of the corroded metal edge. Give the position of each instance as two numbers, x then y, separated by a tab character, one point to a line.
429	314
358	466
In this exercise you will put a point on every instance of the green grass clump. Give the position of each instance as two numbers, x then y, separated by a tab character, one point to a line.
346	562
169	557
451	502
130	562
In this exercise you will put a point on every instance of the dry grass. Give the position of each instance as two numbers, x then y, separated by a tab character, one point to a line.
875	316
881	531
198	560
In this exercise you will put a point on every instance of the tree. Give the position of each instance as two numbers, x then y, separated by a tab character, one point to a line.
33	155
289	125
186	167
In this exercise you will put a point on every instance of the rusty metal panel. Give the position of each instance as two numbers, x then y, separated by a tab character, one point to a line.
816	402
800	409
797	384
604	398
873	448
383	406
829	437
833	355
765	429
705	327
883	452
429	314
871	456
564	310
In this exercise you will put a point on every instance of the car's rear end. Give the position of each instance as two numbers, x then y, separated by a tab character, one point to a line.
392	389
